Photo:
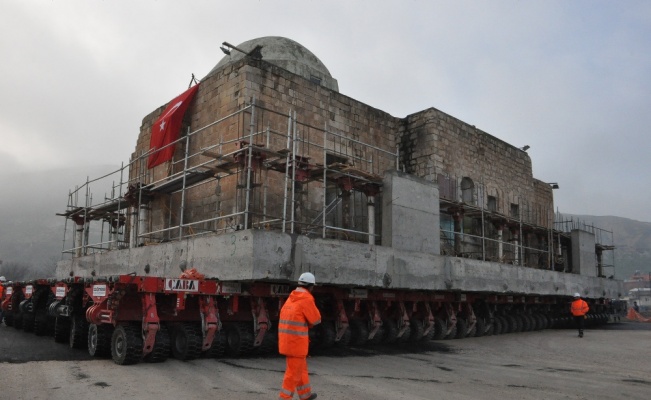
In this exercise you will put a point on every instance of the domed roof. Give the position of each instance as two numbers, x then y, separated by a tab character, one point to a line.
287	54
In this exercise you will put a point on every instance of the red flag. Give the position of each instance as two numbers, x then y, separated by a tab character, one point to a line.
167	127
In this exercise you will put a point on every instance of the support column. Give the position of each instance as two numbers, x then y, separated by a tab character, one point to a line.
457	215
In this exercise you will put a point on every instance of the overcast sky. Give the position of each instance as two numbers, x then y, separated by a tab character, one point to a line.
571	79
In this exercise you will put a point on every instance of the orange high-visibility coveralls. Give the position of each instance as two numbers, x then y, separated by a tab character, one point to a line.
298	314
579	308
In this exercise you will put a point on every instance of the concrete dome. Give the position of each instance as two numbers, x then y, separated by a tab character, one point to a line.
286	54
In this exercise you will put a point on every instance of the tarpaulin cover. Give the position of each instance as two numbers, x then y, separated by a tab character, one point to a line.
167	127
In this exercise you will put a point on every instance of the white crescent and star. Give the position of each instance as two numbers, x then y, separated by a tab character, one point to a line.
163	121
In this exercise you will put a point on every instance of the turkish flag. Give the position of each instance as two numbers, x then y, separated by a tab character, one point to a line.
167	127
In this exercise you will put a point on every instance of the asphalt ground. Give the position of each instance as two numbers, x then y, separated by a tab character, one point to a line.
610	362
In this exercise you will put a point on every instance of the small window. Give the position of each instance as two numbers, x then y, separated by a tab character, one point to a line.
492	203
515	210
467	191
315	79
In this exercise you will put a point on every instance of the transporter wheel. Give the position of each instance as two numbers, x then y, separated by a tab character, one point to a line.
480	327
8	319
490	328
269	343
187	340
78	332
522	322
126	344
41	324
453	332
325	335
378	338
547	322
505	326
439	329
99	340
345	338
62	329
518	323
390	331
359	332
462	328
18	320
471	332
239	339
430	334
533	322
218	346
496	324
406	335
162	346
417	329
28	321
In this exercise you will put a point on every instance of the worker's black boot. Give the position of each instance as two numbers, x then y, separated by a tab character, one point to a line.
312	396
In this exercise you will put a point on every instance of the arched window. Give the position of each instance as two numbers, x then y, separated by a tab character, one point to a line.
467	191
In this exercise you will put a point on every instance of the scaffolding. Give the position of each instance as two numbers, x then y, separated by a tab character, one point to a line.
253	169
471	227
604	241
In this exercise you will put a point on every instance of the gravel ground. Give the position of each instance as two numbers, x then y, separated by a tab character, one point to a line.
613	362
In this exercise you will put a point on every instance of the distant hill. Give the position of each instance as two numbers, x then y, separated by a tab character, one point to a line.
31	233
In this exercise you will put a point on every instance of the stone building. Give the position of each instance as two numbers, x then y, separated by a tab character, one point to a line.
287	98
273	163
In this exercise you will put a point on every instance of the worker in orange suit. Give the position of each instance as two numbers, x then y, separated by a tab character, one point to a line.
297	315
579	309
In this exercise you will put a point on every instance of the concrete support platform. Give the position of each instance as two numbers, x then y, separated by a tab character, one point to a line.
273	256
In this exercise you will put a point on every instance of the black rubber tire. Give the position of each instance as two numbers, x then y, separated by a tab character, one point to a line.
480	327
126	344
390	331
430	334
78	338
187	340
162	346
8	319
453	332
41	324
18	320
62	329
326	335
518	323
472	331
218	346
439	329
417	329
345	338
378	338
507	324
359	332
239	339
406	336
462	328
99	340
28	322
269	343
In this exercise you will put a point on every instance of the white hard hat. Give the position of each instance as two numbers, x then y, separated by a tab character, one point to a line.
3	279
306	278
577	295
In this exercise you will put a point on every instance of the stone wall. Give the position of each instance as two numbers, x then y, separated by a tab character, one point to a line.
433	143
